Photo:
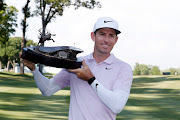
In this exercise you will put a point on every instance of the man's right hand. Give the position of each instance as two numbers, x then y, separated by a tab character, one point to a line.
29	64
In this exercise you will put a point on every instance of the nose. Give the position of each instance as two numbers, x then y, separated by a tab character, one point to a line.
106	39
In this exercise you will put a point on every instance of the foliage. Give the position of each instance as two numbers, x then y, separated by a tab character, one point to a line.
2	8
155	70
13	49
137	70
30	43
3	58
7	22
48	9
142	69
2	5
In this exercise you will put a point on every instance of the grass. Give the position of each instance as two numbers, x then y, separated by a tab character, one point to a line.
152	97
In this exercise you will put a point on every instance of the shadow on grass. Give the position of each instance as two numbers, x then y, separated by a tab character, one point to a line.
148	103
16	80
31	106
27	106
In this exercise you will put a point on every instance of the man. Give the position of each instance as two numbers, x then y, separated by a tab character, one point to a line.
101	87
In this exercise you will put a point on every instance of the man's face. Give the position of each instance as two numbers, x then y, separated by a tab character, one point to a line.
105	39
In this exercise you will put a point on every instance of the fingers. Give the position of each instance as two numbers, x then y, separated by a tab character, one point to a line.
26	62
74	70
83	63
83	73
79	69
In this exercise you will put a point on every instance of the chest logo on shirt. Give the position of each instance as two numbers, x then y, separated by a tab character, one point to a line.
108	68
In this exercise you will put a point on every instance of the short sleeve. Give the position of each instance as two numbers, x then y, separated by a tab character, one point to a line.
62	78
124	79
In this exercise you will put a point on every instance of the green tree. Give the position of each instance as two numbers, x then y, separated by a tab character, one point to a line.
142	69
30	43
50	9
1	56
8	19
137	70
155	70
7	23
13	49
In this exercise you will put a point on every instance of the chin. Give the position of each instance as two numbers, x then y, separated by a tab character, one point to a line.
105	52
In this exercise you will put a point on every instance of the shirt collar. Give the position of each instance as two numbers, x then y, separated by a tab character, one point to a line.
90	57
109	60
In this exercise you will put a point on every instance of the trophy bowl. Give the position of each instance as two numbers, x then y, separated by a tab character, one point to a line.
60	56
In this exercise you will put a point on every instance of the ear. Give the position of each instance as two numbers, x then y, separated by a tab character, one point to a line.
116	39
93	36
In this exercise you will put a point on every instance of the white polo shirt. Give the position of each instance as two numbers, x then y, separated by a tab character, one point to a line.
112	73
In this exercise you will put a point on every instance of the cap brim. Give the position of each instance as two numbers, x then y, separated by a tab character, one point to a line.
117	31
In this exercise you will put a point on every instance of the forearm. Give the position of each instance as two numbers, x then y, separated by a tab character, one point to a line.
115	100
45	85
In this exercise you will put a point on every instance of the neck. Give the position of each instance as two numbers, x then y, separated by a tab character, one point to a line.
100	57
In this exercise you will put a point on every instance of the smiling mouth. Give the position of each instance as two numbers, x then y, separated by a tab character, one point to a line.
105	46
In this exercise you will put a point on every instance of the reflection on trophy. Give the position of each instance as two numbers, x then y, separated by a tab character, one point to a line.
60	56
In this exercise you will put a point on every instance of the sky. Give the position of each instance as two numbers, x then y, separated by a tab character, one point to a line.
149	29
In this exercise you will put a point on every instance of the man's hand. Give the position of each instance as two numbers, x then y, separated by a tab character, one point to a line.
83	73
27	63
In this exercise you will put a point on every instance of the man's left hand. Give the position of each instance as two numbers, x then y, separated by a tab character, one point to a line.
83	73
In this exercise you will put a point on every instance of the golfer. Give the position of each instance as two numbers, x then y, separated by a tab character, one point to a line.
101	87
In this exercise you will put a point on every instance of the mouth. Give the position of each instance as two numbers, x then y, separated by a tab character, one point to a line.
105	46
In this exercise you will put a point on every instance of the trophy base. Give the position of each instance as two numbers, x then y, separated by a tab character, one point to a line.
49	60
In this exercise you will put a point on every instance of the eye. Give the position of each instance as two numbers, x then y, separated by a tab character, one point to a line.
111	35
101	33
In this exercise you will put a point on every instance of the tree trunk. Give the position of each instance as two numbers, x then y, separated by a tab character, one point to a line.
23	42
0	66
21	60
24	34
13	64
8	65
43	33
